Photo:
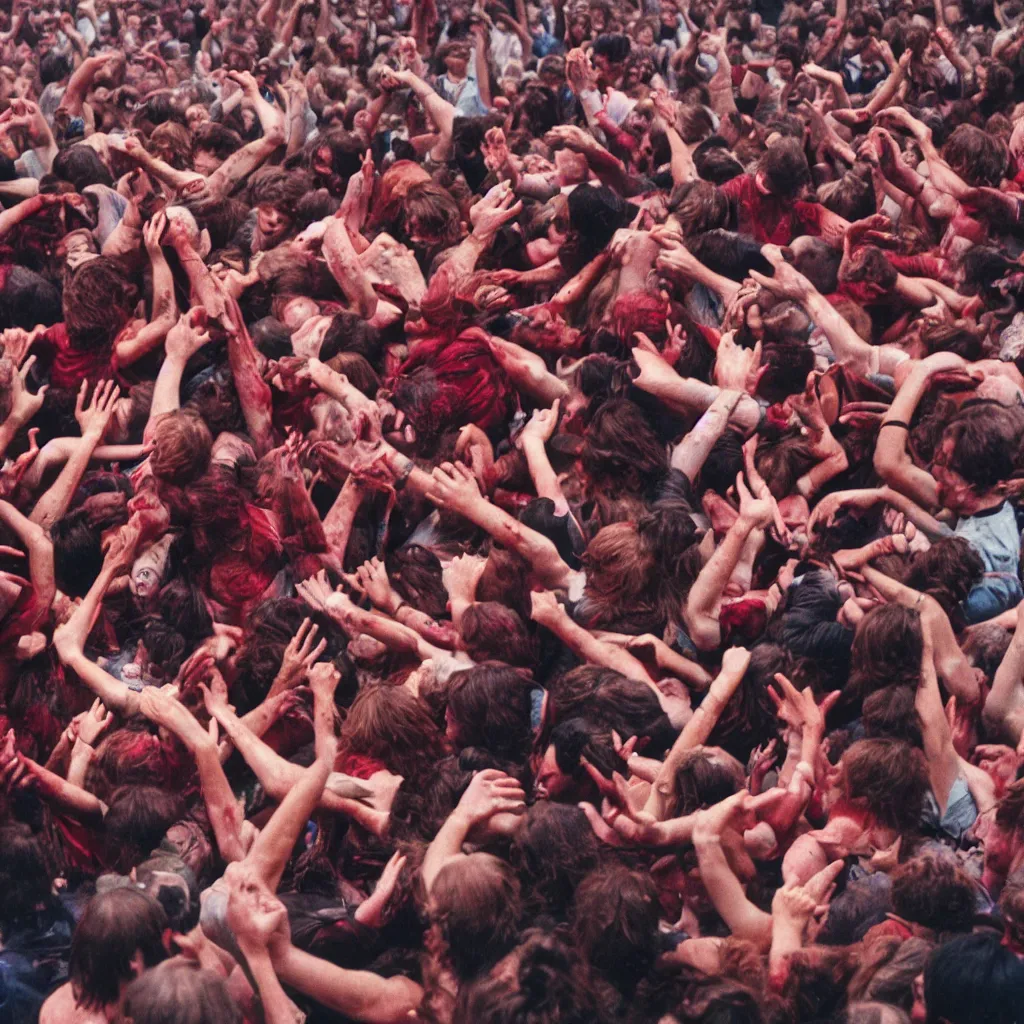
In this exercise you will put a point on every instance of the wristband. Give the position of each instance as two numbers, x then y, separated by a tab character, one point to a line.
895	423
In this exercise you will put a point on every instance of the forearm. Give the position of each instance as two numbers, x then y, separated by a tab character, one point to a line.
74	800
393	635
359	995
342	515
240	165
923	520
707	589
346	269
221	805
167	390
446	845
155	167
940	755
892	461
545	479
40	552
165	315
695	732
690	454
724	889
253	392
687	395
593	651
787	939
78	85
275	843
114	694
828	469
885	93
438	109
78	764
1007	693
277	1007
54	503
276	774
538	550
579	286
9	219
682	166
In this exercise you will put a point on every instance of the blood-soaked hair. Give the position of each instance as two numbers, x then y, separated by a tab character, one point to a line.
133	756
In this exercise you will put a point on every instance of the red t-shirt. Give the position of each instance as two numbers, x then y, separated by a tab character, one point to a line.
769	219
69	367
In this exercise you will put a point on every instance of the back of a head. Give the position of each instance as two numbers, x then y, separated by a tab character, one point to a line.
180	992
548	986
785	168
115	928
985	440
974	979
615	921
475	905
819	263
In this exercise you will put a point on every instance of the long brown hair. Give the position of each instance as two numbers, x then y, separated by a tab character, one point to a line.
389	723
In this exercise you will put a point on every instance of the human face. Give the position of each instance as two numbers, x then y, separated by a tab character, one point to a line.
552	783
457	62
272	222
149	568
954	491
205	162
645	37
323	163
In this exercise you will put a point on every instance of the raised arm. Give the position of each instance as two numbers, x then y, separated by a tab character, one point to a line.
702	603
165	310
455	487
662	798
93	419
939	752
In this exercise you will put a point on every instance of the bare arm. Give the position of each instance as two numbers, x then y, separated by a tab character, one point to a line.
40	552
94	419
346	269
165	310
662	797
1006	698
690	454
941	756
892	460
359	995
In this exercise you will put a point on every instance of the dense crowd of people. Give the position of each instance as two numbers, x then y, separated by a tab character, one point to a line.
512	514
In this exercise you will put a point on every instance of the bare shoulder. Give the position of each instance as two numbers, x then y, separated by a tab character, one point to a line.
61	1008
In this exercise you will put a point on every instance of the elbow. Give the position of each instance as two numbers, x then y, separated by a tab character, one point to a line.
885	464
705	632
